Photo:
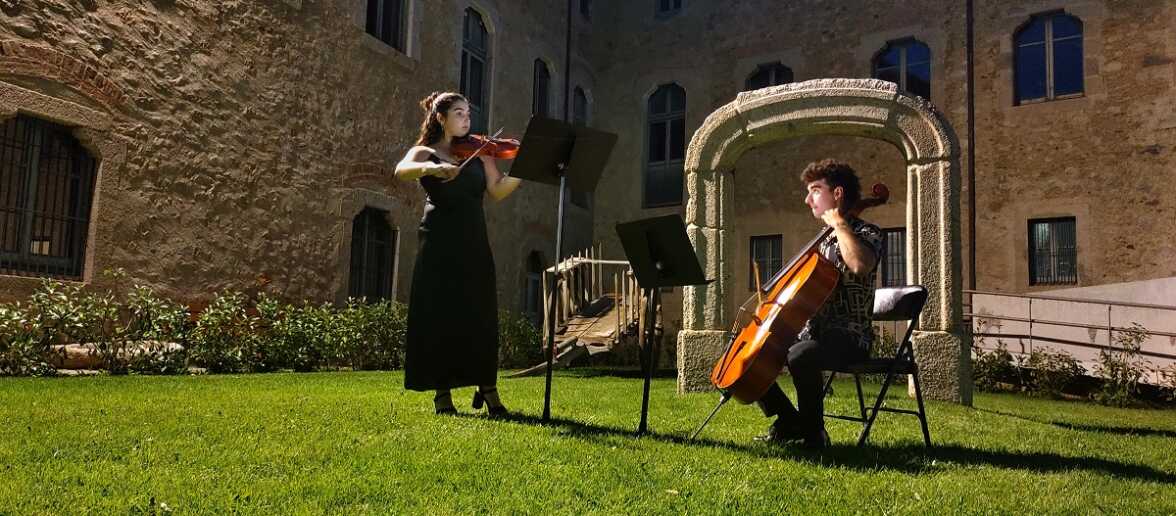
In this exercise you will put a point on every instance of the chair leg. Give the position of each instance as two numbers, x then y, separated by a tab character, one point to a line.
877	406
857	379
922	412
828	384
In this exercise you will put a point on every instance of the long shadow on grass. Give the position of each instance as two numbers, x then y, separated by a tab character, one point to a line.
1118	430
909	458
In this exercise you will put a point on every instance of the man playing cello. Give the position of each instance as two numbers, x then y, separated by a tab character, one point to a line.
841	331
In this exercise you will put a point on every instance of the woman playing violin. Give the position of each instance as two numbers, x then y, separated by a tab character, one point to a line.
841	330
452	311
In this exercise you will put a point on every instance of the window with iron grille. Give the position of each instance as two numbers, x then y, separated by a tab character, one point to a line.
46	190
666	147
770	74
906	63
475	69
373	245
893	264
385	21
766	256
541	90
668	6
1047	61
1053	252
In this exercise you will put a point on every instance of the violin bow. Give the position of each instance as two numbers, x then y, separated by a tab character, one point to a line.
479	149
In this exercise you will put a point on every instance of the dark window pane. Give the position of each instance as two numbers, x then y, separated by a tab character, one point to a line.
1032	33
1030	72
659	101
782	75
677	138
657	142
541	89
465	73
663	185
766	252
919	80
373	13
889	57
580	107
475	92
1068	67
677	98
888	74
760	79
918	53
1065	26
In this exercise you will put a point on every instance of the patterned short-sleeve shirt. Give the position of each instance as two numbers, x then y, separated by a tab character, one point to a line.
851	304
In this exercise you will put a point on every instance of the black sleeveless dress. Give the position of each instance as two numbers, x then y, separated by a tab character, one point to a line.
453	307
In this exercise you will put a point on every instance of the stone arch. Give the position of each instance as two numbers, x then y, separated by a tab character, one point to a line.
20	58
847	107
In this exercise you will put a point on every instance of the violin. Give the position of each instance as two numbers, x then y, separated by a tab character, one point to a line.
465	147
758	353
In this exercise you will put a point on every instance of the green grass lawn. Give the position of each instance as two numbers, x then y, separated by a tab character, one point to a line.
359	443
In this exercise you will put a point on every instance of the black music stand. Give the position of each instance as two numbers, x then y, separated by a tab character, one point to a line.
558	153
661	256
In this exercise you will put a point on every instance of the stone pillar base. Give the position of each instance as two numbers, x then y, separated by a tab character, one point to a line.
698	350
945	366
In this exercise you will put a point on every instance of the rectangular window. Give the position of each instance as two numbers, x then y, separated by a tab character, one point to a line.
1053	252
893	264
767	256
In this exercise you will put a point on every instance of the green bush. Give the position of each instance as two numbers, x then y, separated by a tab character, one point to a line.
992	370
1051	372
520	342
1120	367
24	344
225	337
372	336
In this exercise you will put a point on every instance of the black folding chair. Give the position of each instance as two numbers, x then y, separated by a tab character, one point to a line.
890	304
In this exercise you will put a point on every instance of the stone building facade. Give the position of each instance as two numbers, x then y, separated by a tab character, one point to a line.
237	139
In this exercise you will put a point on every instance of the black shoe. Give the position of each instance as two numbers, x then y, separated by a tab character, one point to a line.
781	432
446	411
817	442
491	410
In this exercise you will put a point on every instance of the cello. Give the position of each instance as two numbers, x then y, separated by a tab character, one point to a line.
758	352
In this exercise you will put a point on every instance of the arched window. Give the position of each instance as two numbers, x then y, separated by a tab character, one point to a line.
1048	58
373	244
666	146
906	63
46	190
475	69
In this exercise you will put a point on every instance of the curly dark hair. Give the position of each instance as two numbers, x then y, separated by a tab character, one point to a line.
436	102
835	173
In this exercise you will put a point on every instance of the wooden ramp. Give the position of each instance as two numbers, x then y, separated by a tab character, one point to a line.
590	318
592	331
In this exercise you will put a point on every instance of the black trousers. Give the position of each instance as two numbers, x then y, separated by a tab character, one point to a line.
806	360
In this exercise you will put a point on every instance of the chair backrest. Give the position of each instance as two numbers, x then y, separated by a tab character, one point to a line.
901	304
